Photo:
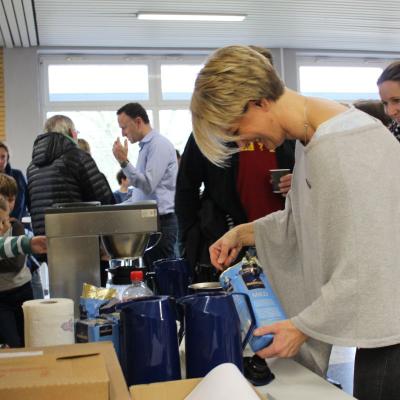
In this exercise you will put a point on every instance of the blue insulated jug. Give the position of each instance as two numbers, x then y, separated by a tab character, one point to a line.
172	277
149	342
212	332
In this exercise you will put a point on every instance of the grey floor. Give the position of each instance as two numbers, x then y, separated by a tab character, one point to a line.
341	366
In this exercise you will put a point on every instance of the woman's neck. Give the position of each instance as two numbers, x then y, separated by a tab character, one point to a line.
302	115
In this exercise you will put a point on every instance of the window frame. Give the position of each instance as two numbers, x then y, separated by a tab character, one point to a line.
154	62
340	60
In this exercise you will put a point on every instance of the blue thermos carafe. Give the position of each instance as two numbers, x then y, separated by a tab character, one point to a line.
172	277
149	341
212	332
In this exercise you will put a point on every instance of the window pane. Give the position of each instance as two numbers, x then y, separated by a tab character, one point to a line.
176	125
177	81
339	83
100	129
98	82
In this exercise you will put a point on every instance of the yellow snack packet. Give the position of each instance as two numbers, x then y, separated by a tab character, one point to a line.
99	293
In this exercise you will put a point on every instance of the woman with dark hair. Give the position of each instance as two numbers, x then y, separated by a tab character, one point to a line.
389	91
376	109
20	209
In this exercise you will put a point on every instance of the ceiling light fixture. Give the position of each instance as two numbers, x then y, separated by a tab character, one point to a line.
190	17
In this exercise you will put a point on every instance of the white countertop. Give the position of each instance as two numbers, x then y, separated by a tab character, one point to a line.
293	381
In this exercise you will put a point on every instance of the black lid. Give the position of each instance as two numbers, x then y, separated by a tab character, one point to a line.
256	370
122	275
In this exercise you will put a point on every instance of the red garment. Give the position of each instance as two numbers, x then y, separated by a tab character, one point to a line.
253	181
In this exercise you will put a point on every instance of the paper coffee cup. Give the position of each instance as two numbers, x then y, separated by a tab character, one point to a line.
276	175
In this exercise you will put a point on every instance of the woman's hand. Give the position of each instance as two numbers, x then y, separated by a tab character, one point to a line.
287	340
285	184
225	250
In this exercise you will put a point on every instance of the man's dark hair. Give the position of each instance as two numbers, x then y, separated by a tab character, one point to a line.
134	110
120	176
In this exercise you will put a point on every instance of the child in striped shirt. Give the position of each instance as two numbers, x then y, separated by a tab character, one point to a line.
15	276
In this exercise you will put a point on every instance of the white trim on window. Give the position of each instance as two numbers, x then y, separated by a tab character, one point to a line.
154	62
326	59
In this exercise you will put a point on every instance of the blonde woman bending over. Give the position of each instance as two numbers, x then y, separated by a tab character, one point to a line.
333	253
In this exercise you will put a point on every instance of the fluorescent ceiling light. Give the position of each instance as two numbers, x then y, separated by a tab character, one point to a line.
190	17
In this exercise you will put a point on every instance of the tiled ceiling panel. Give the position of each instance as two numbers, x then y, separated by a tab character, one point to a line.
322	24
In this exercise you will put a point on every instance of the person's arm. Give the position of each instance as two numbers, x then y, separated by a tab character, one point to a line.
276	244
159	156
225	250
347	274
287	339
13	246
16	263
39	244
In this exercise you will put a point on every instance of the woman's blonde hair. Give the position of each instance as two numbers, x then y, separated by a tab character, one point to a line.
231	77
84	145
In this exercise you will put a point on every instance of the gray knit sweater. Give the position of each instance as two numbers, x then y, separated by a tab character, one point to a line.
333	254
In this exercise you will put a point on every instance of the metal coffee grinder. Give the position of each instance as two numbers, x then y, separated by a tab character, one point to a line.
74	230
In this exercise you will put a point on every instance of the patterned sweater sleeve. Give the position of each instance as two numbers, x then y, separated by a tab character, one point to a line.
13	246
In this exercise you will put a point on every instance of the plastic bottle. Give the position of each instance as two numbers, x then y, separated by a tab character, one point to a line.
137	289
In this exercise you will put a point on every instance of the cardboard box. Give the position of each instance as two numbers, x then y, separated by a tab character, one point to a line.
171	390
46	377
106	358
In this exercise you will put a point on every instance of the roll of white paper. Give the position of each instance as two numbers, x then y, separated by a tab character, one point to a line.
215	386
48	322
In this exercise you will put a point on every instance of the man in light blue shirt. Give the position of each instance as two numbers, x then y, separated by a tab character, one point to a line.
153	177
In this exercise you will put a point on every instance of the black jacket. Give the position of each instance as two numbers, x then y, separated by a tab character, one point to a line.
202	217
60	172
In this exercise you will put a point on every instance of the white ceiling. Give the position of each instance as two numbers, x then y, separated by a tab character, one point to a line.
308	24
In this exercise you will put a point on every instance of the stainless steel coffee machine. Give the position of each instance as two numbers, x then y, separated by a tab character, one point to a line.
74	231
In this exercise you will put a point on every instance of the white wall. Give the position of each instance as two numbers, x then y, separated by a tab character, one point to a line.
22	100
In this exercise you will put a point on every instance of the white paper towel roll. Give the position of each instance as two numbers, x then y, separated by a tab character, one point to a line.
48	322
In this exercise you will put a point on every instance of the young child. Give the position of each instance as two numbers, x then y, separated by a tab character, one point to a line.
124	192
15	277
